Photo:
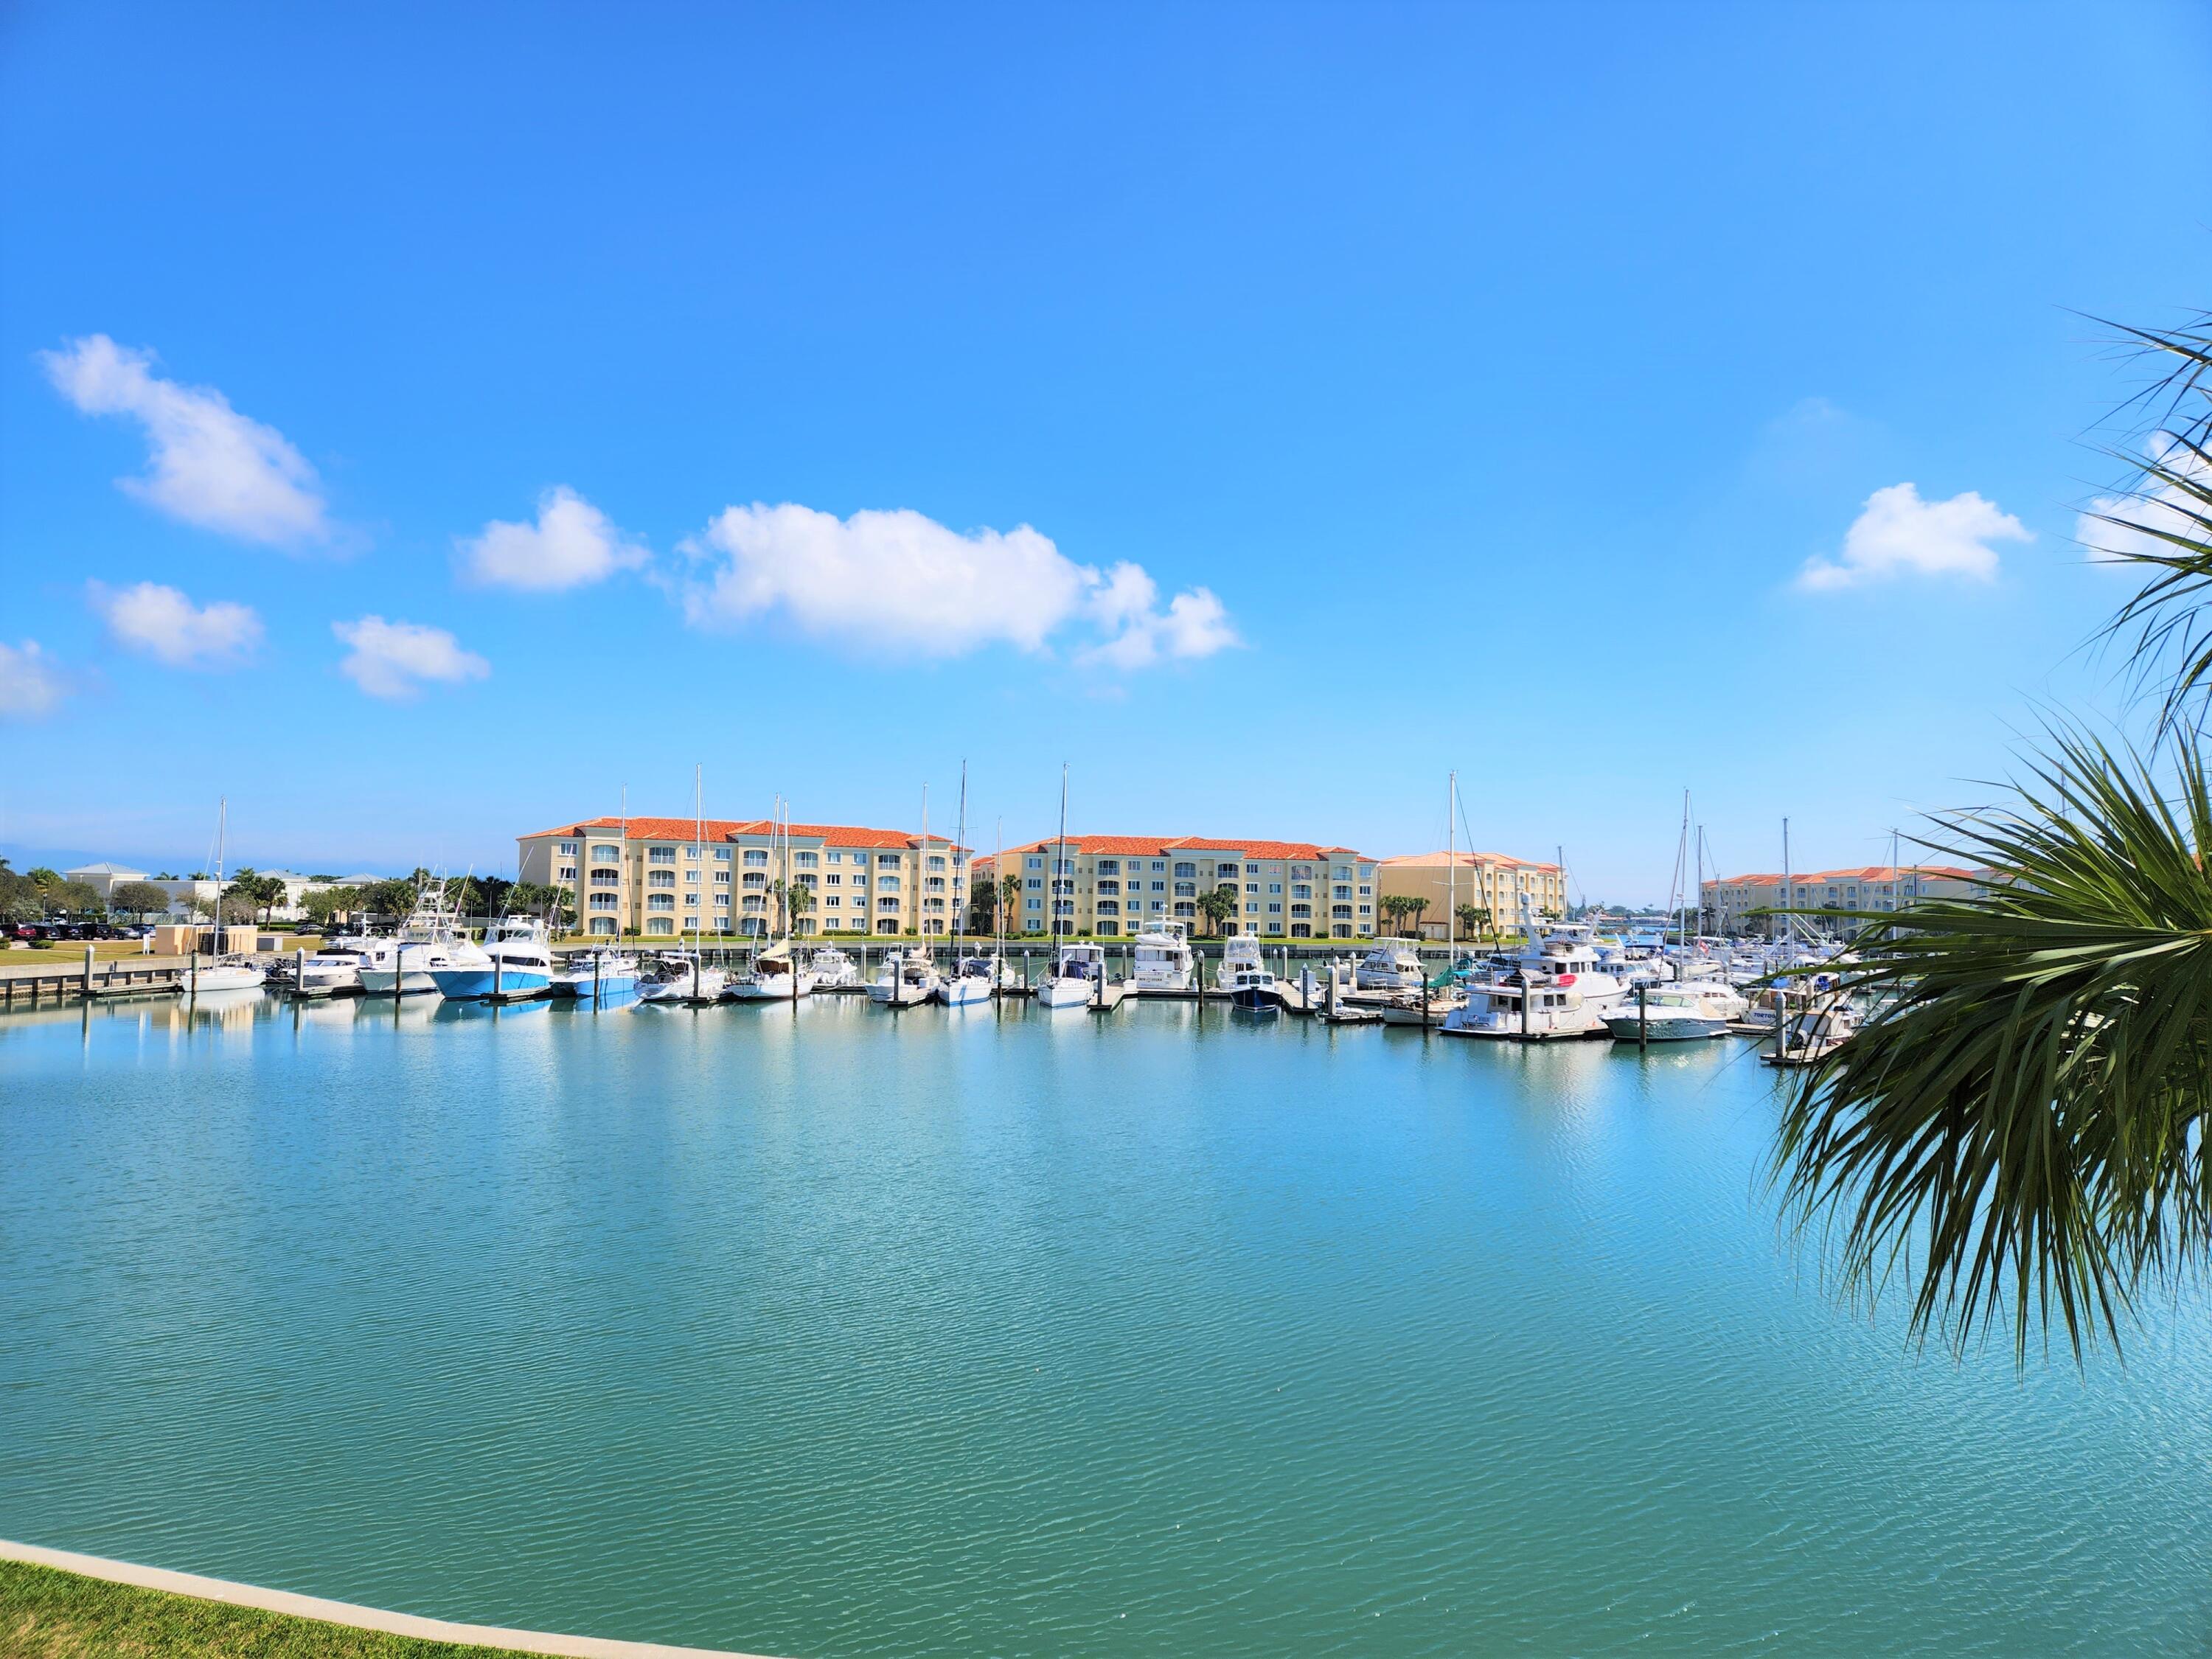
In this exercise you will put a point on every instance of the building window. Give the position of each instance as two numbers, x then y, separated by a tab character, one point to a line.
937	861
604	901
1225	870
660	855
606	854
756	878
1185	909
660	901
1109	907
756	855
1251	886
567	849
806	860
887	924
1036	864
834	858
1301	910
722	878
1301	930
1340	912
661	924
1110	866
887	881
662	877
603	924
1109	887
1299	889
606	878
568	872
1275	907
1184	870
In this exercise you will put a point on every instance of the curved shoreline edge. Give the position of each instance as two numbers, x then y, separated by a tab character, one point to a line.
345	1612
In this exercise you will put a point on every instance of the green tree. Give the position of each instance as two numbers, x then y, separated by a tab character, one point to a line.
1413	909
1393	907
1217	905
393	898
799	897
322	905
138	898
1472	919
2020	1136
1010	900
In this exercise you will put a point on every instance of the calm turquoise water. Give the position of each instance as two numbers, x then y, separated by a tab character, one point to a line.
834	1333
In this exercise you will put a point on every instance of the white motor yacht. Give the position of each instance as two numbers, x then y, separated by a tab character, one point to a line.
1392	965
406	963
1683	1011
515	961
776	977
1078	979
607	973
908	980
1164	964
335	968
832	969
1813	1035
681	979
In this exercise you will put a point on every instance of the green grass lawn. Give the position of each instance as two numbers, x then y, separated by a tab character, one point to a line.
49	1614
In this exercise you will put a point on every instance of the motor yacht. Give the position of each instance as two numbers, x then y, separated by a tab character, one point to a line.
1392	965
832	969
604	972
1164	965
776	977
405	964
908	979
515	961
1243	975
1813	1035
681	979
336	968
1685	1011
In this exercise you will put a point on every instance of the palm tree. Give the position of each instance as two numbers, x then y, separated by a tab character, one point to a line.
1010	894
1472	918
799	897
2020	1134
1217	905
1413	909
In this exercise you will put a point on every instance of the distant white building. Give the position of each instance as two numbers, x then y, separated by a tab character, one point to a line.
104	878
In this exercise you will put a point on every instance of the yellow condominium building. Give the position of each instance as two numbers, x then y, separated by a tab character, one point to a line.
660	878
1725	904
1110	885
1492	883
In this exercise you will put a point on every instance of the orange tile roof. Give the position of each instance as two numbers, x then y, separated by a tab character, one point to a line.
1156	846
1864	873
1424	859
830	834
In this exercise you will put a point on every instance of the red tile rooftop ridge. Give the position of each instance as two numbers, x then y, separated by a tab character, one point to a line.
1132	847
1415	861
1866	873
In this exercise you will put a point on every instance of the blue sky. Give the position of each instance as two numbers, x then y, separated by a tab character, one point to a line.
1285	404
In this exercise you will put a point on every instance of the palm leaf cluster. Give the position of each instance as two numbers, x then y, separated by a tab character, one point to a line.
2018	1135
2022	1126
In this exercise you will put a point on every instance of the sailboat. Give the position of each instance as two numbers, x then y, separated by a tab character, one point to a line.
231	973
973	978
1078	979
685	977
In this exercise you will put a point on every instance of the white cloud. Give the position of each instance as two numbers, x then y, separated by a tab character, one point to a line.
572	543
901	581
30	685
1898	534
395	659
207	463
2179	503
162	623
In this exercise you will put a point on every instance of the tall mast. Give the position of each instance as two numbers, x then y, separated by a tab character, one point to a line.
1789	922
921	868
698	841
1451	869
1060	860
959	835
221	827
998	903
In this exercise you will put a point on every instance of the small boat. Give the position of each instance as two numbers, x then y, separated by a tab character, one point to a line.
1683	1011
225	974
334	969
680	980
1392	965
607	973
1413	1008
1078	979
1812	1037
975	979
1164	965
774	977
832	969
908	980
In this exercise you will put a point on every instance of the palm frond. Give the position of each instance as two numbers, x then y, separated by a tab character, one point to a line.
2021	1131
2164	519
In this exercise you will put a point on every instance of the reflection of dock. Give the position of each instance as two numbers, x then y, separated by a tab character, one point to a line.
117	978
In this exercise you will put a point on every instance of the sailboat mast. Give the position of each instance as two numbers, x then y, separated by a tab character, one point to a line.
922	867
1059	857
959	835
1451	870
698	840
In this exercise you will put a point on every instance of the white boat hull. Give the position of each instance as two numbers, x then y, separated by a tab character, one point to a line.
1067	993
1673	1026
963	993
771	988
228	976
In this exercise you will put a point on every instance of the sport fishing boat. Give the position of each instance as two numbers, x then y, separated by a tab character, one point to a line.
608	973
404	962
1078	979
774	977
1164	964
681	979
1243	975
516	961
1392	965
908	980
832	969
1685	1011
